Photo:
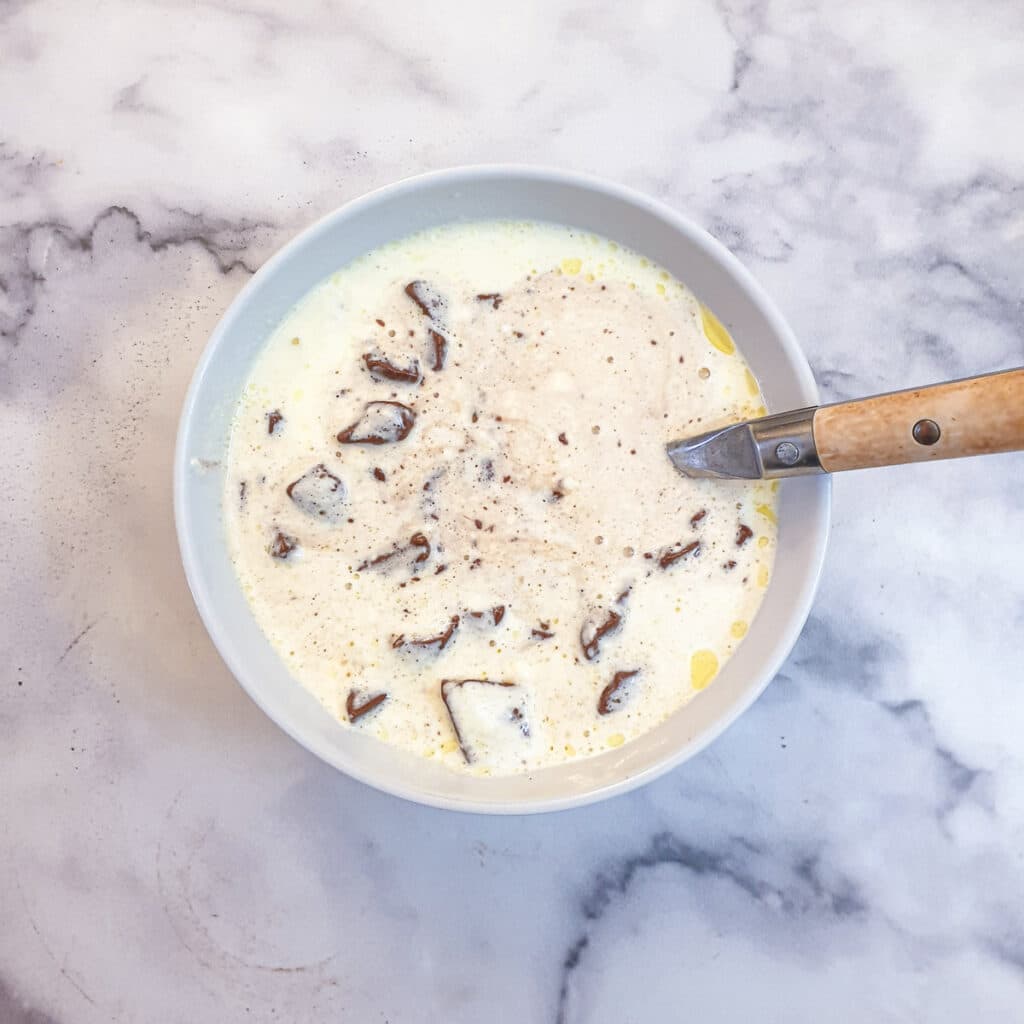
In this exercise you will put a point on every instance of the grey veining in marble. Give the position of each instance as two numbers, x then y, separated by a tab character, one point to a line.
849	851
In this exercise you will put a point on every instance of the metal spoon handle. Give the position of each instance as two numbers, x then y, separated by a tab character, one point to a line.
975	416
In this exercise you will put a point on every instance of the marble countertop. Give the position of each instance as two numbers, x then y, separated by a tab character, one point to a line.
851	850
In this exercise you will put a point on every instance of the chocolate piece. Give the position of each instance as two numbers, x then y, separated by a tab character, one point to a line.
593	631
672	555
417	543
380	423
433	306
494	298
615	693
743	534
440	353
378	474
383	369
273	420
357	710
440	642
428	298
498	613
729	566
697	517
282	545
562	438
318	492
544	632
508	719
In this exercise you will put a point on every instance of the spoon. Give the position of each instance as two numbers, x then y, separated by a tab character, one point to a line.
974	416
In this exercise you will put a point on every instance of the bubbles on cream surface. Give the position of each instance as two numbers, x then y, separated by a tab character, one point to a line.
449	505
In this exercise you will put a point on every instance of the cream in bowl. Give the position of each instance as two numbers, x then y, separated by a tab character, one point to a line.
448	504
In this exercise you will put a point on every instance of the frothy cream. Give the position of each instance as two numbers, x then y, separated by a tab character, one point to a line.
449	504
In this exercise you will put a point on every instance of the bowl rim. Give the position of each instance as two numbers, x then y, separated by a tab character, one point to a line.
714	250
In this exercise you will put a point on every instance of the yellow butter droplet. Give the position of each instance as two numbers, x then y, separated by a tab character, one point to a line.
449	745
763	542
715	332
617	740
739	629
660	288
775	486
761	411
767	511
570	750
428	753
590	277
572	266
295	341
752	384
664	275
703	668
762	576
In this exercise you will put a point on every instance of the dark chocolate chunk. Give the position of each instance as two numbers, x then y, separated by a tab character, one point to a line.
595	629
613	695
439	642
512	716
357	708
672	555
380	423
274	419
418	543
729	566
743	534
494	298
319	493
384	369
378	474
697	517
440	352
433	306
428	298
282	545
562	438
498	613
543	632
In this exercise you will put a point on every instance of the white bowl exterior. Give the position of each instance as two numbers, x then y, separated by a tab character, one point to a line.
473	193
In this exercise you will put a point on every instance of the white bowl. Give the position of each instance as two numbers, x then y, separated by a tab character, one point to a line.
473	193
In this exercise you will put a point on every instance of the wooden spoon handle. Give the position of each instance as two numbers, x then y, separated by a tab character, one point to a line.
975	416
